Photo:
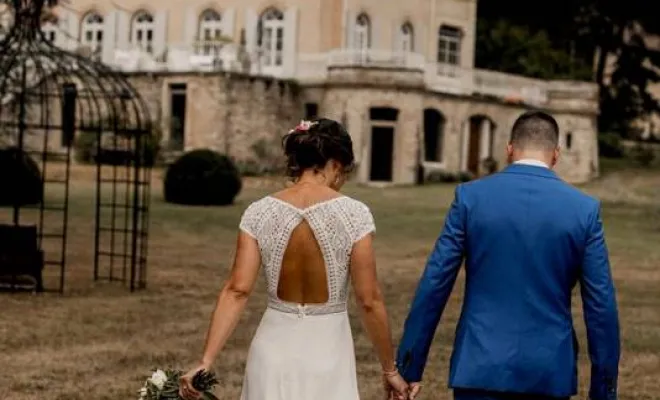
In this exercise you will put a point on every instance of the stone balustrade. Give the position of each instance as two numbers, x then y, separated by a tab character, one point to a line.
314	68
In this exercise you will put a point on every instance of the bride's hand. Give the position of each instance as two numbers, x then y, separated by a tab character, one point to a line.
186	389
395	387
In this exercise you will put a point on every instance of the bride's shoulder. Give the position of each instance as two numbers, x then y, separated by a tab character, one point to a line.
259	205
254	215
356	207
360	217
353	202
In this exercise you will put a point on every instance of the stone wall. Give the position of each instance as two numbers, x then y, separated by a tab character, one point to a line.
349	94
231	114
235	114
246	116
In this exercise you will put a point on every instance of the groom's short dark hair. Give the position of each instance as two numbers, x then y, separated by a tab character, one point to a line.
535	130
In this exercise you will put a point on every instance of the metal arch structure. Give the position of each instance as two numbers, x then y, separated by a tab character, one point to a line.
48	99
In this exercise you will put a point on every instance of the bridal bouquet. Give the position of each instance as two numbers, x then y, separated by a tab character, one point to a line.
164	385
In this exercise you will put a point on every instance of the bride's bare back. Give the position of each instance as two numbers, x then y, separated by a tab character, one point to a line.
303	275
306	240
303	278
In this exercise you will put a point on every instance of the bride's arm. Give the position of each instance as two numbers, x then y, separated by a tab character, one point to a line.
371	302
232	297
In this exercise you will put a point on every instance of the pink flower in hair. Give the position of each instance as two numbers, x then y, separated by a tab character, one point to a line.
303	126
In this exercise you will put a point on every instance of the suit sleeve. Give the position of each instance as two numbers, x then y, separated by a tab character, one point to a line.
432	293
600	312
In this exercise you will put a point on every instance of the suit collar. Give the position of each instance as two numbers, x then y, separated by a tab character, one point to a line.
526	169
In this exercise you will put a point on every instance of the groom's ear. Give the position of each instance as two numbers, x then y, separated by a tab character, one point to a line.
555	156
509	152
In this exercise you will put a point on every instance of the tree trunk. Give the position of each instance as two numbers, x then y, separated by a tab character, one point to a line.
602	53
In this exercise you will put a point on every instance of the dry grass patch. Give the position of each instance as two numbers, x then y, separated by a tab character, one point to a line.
98	341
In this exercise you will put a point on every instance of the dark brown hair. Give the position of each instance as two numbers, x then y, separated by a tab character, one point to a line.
312	147
535	129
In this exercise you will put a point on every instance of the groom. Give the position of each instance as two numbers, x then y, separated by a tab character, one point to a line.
527	239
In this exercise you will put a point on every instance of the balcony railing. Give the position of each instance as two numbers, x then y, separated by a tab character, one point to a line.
375	59
511	88
439	77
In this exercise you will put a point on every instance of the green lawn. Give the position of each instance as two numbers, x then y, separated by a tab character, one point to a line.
98	341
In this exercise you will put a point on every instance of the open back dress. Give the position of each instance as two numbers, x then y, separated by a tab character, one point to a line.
304	351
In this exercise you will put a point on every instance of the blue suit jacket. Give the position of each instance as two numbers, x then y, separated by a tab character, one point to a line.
527	239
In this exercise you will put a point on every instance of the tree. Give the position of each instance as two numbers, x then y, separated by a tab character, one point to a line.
614	32
47	7
515	49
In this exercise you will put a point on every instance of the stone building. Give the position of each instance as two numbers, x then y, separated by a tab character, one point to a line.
234	75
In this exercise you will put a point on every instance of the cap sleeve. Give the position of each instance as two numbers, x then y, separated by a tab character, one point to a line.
364	221
249	220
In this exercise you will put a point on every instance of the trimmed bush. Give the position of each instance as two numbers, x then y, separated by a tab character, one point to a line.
643	154
448	177
202	177
610	146
20	179
490	165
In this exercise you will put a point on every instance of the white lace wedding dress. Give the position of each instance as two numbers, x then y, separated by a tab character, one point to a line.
305	352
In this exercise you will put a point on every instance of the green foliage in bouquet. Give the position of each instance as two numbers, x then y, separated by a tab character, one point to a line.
164	385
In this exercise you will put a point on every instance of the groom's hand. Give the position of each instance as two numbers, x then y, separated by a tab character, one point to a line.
396	387
415	388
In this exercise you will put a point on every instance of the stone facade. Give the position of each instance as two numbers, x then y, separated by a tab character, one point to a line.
167	29
233	113
228	113
234	75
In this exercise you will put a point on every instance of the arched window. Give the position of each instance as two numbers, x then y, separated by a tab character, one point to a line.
407	38
91	33
210	31
210	25
362	32
271	37
142	33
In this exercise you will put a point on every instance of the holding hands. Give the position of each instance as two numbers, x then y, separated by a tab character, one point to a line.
395	387
415	388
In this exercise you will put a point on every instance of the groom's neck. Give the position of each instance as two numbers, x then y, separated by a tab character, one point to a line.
539	156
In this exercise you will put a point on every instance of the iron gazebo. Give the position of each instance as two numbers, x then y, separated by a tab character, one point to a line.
49	99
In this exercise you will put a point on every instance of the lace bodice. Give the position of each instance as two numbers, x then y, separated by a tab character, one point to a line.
337	224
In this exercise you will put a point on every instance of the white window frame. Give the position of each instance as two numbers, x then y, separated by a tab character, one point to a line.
143	31
91	33
362	31
271	40
209	33
407	38
450	40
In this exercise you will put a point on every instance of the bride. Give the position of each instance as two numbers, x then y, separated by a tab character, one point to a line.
311	241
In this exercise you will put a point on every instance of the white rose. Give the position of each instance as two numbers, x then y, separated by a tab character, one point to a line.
159	378
143	393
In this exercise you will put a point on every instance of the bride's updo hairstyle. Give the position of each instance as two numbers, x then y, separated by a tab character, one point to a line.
313	143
